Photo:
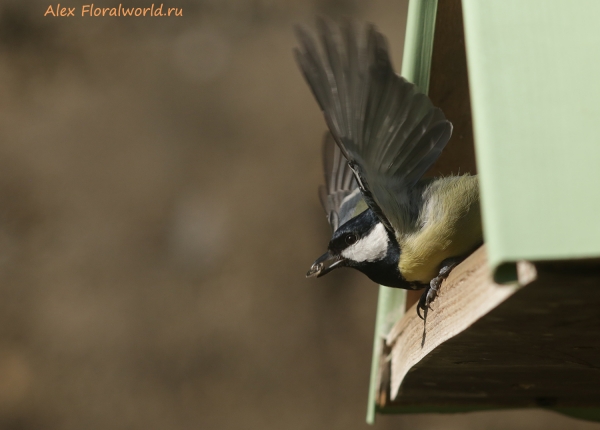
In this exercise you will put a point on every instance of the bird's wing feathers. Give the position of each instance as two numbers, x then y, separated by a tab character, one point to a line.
389	131
340	195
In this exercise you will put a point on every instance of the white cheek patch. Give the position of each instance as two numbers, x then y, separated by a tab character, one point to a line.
372	247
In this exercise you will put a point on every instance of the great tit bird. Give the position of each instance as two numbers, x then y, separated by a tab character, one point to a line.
402	230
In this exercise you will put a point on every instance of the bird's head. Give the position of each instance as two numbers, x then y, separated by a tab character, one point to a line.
364	244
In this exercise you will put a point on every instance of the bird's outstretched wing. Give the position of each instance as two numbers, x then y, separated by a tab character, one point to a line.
389	131
340	195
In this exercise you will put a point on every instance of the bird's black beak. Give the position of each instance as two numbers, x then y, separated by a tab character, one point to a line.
325	264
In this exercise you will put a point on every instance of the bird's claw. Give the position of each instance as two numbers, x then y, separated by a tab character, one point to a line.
433	288
429	296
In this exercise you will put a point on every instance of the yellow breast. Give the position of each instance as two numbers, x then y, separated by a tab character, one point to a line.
449	226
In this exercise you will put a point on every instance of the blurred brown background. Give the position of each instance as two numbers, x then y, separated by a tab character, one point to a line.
158	212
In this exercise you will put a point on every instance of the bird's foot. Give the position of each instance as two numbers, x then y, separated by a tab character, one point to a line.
432	289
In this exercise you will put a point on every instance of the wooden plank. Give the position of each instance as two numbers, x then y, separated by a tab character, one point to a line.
537	348
467	295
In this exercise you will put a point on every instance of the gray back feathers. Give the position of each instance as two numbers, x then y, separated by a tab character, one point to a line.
340	195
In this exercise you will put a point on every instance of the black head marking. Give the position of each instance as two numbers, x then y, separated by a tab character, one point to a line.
352	242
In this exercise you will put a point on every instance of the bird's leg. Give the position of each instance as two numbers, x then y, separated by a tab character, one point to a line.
434	286
431	291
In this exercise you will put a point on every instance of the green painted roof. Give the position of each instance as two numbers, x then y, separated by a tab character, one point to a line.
534	71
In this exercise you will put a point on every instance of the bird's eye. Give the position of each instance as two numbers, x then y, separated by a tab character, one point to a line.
350	239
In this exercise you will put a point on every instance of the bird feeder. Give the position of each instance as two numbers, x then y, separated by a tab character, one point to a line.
516	324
